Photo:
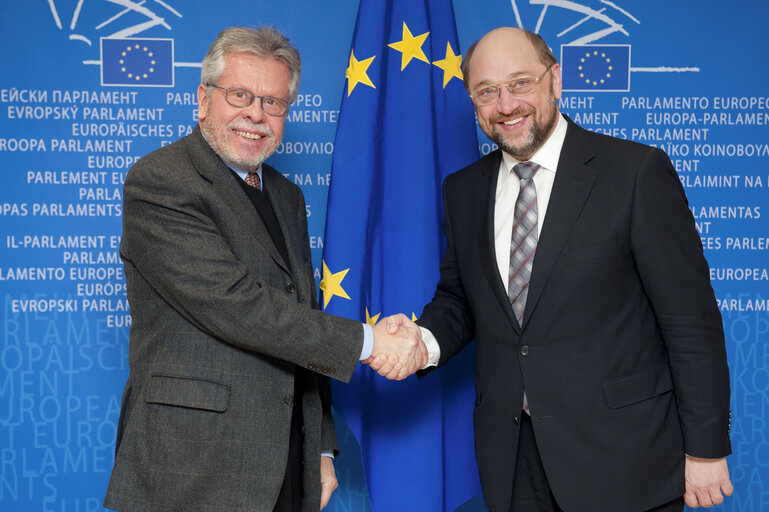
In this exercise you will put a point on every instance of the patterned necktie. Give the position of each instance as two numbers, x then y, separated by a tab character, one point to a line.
524	241
253	180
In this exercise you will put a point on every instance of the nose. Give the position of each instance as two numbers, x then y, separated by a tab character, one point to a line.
254	111
507	101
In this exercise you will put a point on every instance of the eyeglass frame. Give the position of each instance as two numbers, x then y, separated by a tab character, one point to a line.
506	85
253	97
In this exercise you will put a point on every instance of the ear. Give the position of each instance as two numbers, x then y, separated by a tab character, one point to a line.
202	102
556	77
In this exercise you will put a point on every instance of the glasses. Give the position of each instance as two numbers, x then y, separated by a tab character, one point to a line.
242	98
518	86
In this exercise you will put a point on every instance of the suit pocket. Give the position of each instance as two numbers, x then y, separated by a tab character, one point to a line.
575	256
637	386
188	392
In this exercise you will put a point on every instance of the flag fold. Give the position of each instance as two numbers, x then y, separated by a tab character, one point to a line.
405	123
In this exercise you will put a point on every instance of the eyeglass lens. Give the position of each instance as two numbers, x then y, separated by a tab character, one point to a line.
242	98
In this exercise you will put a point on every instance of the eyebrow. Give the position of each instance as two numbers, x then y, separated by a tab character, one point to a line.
252	92
512	75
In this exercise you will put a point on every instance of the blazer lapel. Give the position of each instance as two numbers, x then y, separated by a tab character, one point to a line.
488	189
213	169
573	183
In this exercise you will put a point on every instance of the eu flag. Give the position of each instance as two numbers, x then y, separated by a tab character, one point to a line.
406	122
596	67
137	62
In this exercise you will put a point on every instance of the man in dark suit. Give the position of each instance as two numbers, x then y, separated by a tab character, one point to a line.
572	259
227	405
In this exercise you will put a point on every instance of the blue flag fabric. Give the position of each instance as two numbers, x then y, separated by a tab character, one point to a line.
596	67
137	62
406	122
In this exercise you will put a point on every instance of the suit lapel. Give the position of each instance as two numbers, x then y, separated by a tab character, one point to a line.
573	183
488	189
213	169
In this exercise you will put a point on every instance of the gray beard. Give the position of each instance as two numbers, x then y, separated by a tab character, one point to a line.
216	137
536	138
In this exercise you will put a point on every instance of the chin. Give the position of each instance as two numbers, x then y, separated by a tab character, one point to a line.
522	145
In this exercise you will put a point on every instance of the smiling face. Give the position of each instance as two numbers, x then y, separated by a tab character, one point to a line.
519	125
244	136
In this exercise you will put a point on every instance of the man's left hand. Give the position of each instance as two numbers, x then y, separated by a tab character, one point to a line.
706	479
328	482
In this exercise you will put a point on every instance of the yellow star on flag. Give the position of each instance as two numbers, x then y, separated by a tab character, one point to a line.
331	284
372	320
356	72
451	65
410	47
413	317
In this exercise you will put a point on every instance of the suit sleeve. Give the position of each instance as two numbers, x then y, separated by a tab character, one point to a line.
675	276
448	315
169	235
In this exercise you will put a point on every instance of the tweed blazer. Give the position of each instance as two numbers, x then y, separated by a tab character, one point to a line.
220	325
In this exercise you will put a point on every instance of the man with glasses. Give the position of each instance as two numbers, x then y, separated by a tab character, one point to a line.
573	260
227	405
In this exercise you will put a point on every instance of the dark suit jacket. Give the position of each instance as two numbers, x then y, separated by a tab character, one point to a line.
621	352
220	324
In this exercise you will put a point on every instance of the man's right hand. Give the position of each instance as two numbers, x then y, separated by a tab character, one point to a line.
398	348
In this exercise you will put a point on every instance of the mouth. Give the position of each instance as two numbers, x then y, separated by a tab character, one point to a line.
513	122
248	135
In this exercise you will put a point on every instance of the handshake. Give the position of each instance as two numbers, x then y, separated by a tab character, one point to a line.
398	348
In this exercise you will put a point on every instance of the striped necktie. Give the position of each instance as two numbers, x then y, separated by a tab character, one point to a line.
524	241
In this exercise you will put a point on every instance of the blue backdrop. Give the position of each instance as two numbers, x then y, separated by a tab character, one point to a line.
688	77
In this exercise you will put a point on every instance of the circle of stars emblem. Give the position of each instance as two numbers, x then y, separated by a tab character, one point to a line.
588	56
137	54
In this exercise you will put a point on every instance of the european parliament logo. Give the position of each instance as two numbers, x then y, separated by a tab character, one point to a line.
137	62
595	67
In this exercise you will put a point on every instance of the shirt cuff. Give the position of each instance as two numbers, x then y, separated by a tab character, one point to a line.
329	454
368	342
433	349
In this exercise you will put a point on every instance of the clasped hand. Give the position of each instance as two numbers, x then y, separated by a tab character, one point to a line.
398	348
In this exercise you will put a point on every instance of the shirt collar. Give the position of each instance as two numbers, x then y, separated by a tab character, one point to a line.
547	156
243	172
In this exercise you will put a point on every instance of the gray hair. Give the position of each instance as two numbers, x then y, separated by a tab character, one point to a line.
263	42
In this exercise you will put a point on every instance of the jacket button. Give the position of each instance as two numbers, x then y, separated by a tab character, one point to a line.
289	399
290	288
525	350
516	420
